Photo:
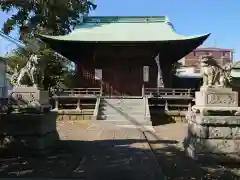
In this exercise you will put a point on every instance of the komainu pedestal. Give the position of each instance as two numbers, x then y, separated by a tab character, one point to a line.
30	120
30	98
214	126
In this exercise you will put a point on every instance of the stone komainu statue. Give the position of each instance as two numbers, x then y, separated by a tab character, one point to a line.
213	75
32	70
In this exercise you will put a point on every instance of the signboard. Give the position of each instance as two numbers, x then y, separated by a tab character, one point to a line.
145	73
98	74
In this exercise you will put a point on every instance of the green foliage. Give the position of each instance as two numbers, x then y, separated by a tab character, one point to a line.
53	16
30	17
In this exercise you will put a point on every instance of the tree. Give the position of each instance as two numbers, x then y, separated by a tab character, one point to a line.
56	17
52	16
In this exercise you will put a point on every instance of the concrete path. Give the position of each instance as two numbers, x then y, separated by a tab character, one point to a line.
91	151
117	153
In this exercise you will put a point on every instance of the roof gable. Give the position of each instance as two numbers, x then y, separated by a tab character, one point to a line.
124	29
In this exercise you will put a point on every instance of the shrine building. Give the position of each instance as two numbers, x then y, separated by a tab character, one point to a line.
120	46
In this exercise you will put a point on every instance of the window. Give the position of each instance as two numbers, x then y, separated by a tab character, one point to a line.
224	53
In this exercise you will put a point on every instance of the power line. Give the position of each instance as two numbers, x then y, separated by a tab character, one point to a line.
19	43
11	39
22	45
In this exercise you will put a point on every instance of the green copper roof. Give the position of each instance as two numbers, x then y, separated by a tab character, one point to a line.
123	29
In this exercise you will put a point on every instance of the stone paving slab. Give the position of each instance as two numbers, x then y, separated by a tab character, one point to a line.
119	153
91	151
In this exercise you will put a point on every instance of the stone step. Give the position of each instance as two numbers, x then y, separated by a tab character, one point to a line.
120	117
128	111
121	112
126	122
124	100
122	105
137	111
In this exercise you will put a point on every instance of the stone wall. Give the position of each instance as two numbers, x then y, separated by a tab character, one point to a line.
36	132
214	126
75	115
215	136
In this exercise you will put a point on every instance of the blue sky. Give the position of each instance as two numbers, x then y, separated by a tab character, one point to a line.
189	17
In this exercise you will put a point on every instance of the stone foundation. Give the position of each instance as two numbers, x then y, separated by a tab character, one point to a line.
214	127
34	131
216	97
29	124
74	115
29	97
39	143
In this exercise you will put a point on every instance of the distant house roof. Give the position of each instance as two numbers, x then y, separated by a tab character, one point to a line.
213	49
184	73
193	75
124	29
236	65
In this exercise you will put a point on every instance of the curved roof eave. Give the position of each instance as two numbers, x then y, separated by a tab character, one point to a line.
188	44
127	40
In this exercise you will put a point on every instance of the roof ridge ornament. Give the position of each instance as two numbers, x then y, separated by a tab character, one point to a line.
167	19
125	19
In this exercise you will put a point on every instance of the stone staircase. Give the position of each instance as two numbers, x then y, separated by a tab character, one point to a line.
124	111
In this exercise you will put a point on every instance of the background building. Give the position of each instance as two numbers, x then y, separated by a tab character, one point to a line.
188	75
221	55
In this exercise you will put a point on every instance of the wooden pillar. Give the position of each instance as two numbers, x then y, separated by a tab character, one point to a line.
166	106
78	74
56	104
78	104
166	68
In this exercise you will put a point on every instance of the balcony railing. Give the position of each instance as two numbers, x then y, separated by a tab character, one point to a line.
168	92
77	92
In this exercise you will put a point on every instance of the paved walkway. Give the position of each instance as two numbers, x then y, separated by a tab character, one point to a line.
91	151
116	153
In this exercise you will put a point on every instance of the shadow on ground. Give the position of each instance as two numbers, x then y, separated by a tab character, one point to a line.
161	118
178	166
108	159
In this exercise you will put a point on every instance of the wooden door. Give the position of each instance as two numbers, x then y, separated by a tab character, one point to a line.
128	80
132	81
123	80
